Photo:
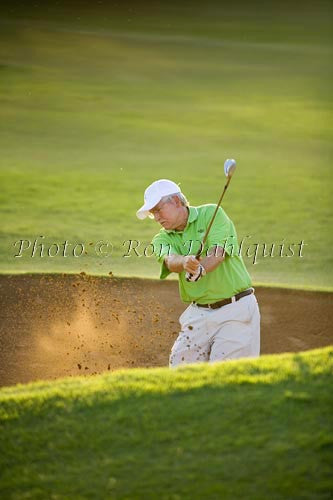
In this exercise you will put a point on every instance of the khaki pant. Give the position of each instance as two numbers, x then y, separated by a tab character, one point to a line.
230	332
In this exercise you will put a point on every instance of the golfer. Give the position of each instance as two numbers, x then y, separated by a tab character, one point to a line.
222	320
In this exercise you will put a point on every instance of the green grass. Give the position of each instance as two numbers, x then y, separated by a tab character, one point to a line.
98	101
248	429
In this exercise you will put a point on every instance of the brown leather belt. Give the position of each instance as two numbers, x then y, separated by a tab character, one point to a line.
224	302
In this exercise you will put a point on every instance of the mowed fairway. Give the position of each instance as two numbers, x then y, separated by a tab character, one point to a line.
250	429
97	101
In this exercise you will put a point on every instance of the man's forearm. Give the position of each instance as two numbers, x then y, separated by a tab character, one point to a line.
178	263
214	257
211	262
175	263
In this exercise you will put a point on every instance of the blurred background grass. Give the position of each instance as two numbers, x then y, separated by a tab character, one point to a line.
99	99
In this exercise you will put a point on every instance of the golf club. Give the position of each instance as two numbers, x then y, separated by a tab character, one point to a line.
229	169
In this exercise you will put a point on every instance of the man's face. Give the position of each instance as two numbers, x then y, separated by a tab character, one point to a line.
168	213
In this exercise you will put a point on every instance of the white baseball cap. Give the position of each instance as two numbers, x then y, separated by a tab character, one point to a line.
153	195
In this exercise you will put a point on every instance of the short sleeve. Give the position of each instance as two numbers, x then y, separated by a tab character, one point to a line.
162	247
222	232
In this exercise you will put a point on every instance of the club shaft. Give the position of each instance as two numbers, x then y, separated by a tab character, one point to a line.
212	220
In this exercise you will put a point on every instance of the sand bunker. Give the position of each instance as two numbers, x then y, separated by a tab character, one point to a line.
54	326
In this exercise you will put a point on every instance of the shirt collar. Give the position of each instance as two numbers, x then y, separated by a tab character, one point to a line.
192	216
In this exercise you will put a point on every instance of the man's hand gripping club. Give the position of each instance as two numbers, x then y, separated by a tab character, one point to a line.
194	270
189	263
192	265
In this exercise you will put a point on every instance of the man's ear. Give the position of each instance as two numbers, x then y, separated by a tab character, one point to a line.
176	201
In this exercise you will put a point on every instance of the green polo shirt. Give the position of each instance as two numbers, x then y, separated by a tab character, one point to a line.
229	278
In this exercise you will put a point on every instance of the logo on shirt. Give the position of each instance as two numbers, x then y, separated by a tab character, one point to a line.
201	230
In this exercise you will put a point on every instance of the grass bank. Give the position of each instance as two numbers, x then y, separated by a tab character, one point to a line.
249	429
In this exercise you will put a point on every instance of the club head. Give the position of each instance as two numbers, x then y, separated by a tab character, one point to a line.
229	167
